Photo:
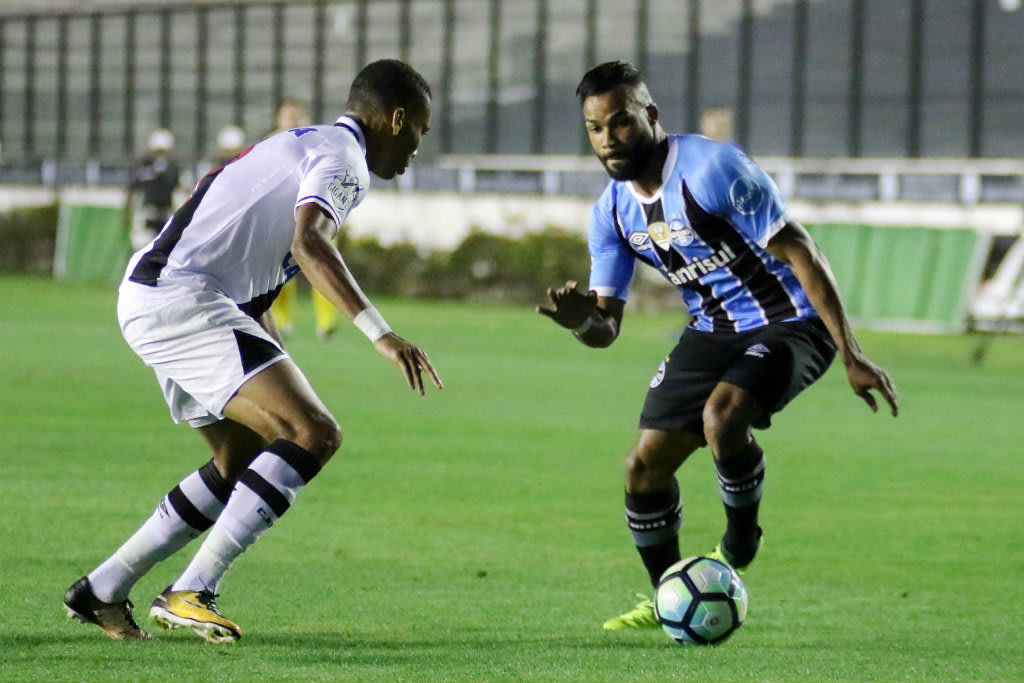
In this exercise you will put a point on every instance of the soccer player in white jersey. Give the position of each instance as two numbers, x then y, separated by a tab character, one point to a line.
767	319
194	306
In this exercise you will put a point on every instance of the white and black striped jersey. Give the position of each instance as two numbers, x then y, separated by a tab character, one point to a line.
706	230
234	234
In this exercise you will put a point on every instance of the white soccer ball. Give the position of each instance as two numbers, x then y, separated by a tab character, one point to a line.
700	601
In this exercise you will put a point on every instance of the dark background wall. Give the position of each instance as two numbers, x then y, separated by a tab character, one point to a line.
903	78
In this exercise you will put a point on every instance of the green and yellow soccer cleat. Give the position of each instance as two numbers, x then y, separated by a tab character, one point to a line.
196	610
115	619
641	616
723	555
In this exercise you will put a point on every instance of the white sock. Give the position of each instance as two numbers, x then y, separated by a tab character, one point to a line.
186	512
263	493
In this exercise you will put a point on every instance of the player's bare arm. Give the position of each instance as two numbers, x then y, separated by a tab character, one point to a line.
594	320
794	246
314	250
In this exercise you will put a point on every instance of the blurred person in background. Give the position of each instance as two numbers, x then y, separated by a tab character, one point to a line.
293	114
716	124
193	306
150	195
766	323
230	143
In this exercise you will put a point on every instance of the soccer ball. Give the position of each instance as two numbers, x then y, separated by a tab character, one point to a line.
700	601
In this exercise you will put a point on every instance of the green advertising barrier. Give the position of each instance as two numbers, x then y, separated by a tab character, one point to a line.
92	244
909	278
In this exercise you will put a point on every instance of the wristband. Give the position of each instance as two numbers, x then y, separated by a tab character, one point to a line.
371	323
586	325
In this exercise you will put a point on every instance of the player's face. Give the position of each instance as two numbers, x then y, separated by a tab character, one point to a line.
400	150
621	131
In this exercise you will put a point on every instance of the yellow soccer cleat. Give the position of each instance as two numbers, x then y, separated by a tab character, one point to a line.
641	616
196	610
114	618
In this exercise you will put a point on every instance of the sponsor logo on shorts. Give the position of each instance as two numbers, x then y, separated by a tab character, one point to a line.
659	375
758	350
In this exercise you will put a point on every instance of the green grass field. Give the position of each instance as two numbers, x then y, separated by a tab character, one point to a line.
476	534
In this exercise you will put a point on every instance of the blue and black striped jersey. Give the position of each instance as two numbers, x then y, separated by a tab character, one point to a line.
706	230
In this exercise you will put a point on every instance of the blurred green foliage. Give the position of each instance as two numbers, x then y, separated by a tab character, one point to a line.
27	239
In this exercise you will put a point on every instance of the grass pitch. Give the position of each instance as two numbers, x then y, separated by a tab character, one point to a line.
476	534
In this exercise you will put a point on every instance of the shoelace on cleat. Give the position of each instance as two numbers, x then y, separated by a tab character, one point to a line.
209	601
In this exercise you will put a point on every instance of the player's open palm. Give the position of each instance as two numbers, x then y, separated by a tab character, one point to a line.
571	306
865	376
410	358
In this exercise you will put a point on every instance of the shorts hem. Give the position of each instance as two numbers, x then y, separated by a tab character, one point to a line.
218	410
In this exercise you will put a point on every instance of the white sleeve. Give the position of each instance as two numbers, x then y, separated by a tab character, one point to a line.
333	183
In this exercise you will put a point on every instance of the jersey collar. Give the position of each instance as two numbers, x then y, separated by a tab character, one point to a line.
666	174
352	125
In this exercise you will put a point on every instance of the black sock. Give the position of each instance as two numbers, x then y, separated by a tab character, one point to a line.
654	520
741	480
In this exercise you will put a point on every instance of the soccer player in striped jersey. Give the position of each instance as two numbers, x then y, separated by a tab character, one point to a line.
767	318
194	306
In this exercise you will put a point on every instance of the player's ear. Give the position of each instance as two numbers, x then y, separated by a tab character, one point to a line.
652	113
397	120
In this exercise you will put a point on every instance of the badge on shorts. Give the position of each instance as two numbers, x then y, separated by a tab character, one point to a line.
659	232
659	375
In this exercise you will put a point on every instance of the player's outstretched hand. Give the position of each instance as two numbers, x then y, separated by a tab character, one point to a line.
865	376
410	358
571	306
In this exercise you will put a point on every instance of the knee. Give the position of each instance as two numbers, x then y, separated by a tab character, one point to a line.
320	435
716	418
645	470
727	419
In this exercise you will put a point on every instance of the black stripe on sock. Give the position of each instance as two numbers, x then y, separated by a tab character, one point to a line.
218	486
265	490
187	511
297	457
653	502
742	465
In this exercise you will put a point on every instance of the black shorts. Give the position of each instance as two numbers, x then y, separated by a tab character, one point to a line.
774	363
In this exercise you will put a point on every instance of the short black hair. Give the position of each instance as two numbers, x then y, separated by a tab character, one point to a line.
606	77
386	84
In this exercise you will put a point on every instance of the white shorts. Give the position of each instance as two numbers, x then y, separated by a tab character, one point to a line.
201	346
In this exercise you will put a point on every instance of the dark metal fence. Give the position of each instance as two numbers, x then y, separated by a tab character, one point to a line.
817	78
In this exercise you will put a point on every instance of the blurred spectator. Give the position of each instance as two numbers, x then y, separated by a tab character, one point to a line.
294	114
230	143
716	123
290	114
150	196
